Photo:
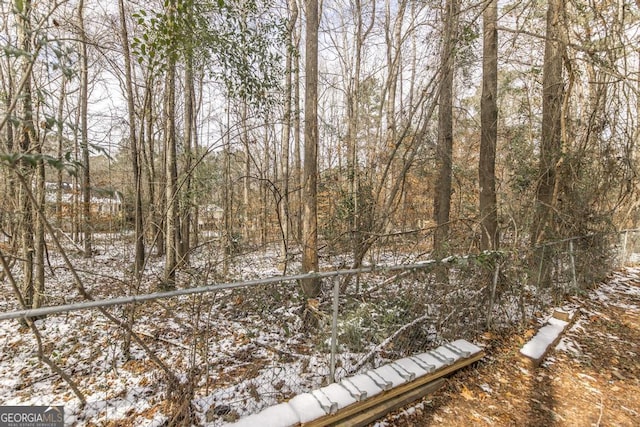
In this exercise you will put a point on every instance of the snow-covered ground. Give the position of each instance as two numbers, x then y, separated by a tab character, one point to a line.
234	352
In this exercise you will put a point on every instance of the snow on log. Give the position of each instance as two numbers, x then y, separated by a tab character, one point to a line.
368	395
547	337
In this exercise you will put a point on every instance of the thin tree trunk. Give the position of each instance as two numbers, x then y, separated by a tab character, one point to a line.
444	150
60	153
247	219
286	132
39	235
551	142
311	287
171	211
264	189
489	130
25	141
84	145
9	144
285	219
137	179
189	129
297	140
227	238
135	154
156	203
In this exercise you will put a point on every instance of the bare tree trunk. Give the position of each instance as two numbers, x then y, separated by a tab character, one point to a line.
137	179
9	144
489	130
147	146
39	235
84	145
189	129
248	221
264	190
25	141
551	143
198	98
285	218
135	154
444	150
60	154
297	138
171	172
227	237
311	287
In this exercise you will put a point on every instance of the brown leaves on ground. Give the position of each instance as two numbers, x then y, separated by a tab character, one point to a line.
591	379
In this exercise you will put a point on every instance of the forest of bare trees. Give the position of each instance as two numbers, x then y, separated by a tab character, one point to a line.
314	128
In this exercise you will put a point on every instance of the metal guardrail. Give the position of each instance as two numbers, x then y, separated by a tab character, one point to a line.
110	302
132	299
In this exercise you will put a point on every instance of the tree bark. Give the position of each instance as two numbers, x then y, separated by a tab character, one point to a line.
171	172
489	129
84	144
25	140
285	216
297	138
154	187
444	149
310	287
39	232
227	189
189	130
551	139
60	149
135	154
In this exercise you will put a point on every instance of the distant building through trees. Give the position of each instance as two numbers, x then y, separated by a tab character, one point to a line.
63	202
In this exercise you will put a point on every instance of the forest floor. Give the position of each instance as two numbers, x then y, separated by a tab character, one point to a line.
591	378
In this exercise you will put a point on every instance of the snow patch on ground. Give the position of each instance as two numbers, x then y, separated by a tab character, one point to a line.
568	345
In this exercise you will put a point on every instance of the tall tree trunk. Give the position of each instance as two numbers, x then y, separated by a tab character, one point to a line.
551	143
310	287
353	97
39	232
84	145
247	218
60	149
189	129
9	145
227	189
297	143
25	140
285	218
489	129
171	179
196	150
133	142
444	150
156	199
286	143
264	190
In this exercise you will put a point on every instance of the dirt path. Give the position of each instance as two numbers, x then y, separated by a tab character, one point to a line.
592	378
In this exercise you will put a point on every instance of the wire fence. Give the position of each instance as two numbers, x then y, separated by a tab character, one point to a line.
211	354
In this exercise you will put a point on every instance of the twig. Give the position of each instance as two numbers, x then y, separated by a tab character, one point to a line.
384	343
173	379
277	350
74	244
177	344
601	412
41	356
